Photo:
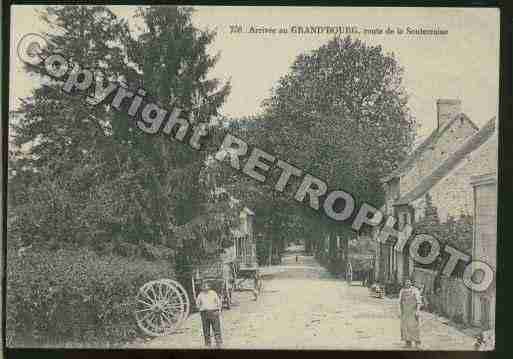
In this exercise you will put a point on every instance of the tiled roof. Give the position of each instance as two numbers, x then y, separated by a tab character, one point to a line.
469	146
428	142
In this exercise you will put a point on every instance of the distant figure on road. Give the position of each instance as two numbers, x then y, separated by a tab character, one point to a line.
410	302
367	279
209	305
296	259
256	285
349	273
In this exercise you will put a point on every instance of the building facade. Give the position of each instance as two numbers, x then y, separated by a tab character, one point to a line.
441	169
452	130
484	244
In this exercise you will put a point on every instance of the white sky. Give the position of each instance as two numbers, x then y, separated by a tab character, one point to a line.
463	64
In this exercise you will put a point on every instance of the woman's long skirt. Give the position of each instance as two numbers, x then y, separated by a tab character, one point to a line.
409	321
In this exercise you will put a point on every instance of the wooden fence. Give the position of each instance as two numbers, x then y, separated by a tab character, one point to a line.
447	296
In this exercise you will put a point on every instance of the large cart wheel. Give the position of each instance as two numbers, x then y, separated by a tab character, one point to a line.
184	296
161	307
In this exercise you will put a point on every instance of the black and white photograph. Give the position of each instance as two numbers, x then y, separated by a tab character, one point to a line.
230	177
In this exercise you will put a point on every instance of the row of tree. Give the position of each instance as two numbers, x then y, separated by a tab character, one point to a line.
341	115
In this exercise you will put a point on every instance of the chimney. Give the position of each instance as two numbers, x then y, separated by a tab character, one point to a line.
446	110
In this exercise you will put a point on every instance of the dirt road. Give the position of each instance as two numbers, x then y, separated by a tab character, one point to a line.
303	307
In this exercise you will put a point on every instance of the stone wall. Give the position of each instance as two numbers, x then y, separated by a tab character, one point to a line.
446	145
453	194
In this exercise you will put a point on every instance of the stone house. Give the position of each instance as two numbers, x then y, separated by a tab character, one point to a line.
407	182
462	183
449	185
454	189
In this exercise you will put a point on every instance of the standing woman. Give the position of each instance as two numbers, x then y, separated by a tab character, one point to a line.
410	302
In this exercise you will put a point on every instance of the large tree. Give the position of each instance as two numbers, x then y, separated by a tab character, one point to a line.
341	112
104	175
54	180
341	115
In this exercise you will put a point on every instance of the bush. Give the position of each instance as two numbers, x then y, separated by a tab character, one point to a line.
75	297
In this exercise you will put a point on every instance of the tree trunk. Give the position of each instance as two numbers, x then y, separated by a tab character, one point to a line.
271	252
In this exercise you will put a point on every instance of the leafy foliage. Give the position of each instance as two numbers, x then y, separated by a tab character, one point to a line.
74	297
339	114
90	170
89	180
456	232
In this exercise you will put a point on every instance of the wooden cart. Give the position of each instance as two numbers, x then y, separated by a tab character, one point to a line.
221	278
247	272
162	305
358	267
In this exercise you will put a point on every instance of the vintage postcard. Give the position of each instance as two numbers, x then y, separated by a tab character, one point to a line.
252	177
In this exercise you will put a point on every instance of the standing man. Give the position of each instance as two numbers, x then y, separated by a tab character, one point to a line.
410	303
209	305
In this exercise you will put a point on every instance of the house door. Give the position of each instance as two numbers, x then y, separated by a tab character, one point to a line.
406	265
384	263
485	312
470	309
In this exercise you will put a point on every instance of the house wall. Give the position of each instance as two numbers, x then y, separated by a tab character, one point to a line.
447	144
390	264
453	194
384	251
383	262
484	248
485	233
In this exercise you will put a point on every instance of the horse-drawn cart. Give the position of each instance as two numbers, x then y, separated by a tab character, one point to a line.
359	268
162	305
221	278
